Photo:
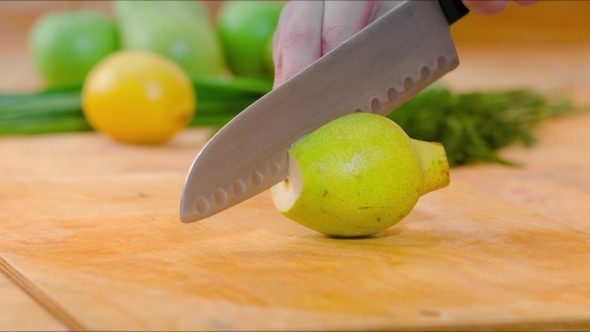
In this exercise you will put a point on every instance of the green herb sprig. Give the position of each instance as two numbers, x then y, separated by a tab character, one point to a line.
474	126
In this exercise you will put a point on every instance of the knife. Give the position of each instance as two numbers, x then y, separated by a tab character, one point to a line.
377	70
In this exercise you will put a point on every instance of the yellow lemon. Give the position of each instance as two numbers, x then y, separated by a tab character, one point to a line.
138	98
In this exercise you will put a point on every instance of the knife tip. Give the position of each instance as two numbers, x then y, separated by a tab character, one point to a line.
188	214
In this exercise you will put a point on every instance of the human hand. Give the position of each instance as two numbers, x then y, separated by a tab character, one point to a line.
309	29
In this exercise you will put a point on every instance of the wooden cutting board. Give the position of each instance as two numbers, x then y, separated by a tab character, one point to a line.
20	312
90	230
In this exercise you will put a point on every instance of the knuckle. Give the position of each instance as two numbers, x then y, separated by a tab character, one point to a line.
278	69
278	63
335	35
297	37
288	73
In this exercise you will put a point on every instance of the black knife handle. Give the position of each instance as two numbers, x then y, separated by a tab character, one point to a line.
453	9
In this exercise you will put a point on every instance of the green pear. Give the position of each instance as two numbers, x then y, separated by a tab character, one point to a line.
358	175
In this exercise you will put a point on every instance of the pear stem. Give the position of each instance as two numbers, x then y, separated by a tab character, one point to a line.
435	165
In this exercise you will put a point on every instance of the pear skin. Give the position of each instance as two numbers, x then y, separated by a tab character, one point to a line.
358	175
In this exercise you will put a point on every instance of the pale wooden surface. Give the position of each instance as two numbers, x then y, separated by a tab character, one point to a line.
90	227
19	312
103	240
555	181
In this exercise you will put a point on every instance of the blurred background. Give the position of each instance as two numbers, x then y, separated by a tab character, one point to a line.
546	45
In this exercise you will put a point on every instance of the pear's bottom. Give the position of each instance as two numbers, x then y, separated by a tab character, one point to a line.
434	163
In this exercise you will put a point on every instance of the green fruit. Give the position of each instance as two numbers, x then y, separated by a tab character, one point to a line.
358	175
245	28
66	45
178	30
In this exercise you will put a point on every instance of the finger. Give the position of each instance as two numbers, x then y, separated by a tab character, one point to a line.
342	19
486	7
276	50
277	59
300	38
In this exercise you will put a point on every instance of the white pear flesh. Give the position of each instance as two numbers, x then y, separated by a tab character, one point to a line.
287	192
358	175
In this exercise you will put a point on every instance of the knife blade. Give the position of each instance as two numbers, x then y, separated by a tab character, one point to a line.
376	70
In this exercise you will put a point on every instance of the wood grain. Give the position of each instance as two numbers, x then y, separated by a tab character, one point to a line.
80	154
544	23
111	250
19	312
553	181
101	238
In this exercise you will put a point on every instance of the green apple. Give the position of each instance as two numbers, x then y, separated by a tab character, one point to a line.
66	45
178	30
245	28
358	175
